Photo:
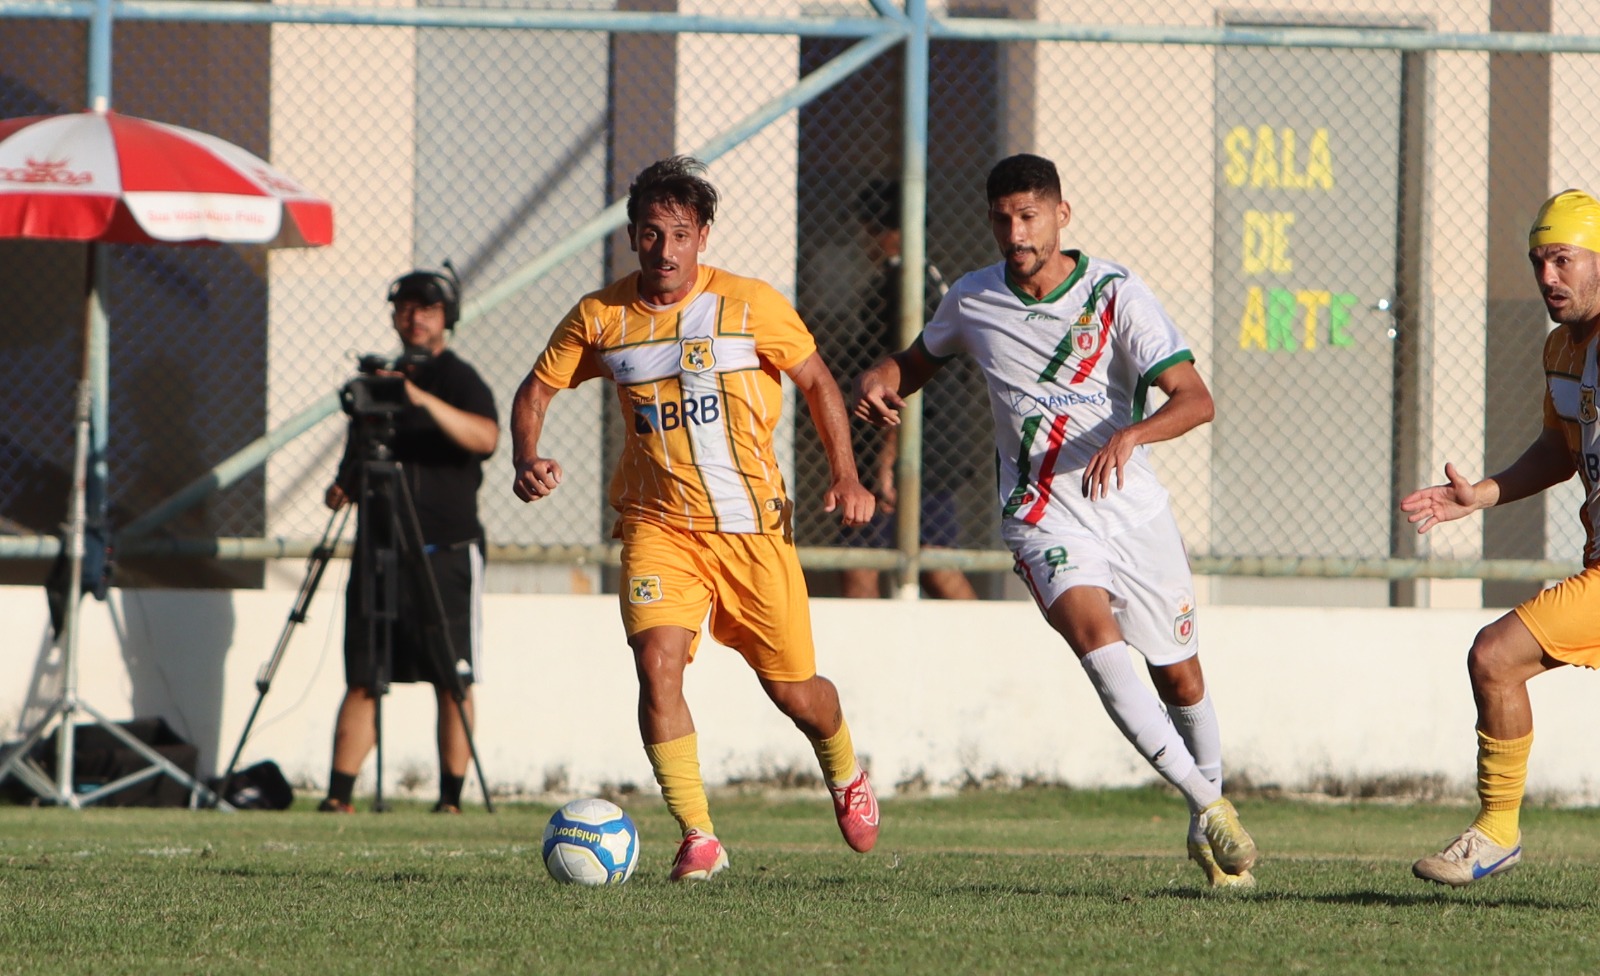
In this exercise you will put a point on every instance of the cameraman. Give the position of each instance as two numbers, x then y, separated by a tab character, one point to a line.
443	432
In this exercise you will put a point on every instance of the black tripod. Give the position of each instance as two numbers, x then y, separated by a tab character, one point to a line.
315	565
391	565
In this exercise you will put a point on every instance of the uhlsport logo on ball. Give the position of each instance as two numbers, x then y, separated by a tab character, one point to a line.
590	842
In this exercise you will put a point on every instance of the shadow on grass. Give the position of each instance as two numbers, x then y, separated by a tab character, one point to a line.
1268	896
1377	899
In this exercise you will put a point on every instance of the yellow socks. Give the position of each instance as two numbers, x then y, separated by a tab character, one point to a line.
677	768
1502	774
837	756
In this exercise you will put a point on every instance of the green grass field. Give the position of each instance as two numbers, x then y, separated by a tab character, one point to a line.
1029	881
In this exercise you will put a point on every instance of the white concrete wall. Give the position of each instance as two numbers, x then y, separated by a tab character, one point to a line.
933	688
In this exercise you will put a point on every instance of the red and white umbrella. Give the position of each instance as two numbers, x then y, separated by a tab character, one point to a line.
110	178
104	178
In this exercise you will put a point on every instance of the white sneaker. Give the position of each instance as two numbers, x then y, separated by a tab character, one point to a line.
1470	857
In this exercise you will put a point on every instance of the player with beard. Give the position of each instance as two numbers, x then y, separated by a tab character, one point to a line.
695	354
1561	625
1069	346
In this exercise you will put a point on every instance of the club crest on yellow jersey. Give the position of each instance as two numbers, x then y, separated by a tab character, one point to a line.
1586	411
644	589
697	355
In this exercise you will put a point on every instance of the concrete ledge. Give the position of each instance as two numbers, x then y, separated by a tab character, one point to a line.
932	690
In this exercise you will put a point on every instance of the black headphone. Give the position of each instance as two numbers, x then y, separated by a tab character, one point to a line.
431	288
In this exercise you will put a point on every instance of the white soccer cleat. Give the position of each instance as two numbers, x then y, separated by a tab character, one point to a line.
1470	857
1231	847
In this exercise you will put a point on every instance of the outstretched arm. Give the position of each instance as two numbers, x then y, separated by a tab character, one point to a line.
845	491
535	476
1546	462
1188	406
881	391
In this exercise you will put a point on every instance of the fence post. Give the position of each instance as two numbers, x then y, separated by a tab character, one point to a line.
914	258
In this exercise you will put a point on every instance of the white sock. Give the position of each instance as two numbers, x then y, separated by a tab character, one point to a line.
1138	713
1197	724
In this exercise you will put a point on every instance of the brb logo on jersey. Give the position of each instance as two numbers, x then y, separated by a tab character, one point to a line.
1586	410
697	356
658	418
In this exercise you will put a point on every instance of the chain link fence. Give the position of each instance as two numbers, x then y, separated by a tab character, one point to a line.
1338	228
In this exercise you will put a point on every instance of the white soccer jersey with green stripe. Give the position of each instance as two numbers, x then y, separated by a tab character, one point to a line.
1064	373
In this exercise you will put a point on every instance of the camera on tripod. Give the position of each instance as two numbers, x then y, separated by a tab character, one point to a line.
374	401
371	394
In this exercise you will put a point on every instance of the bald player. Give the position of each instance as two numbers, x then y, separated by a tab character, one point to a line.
1561	625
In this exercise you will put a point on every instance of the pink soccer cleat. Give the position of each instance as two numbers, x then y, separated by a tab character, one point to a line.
699	857
856	808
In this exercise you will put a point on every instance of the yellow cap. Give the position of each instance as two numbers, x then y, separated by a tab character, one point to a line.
1569	217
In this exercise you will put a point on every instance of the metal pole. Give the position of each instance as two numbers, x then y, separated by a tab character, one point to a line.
100	56
69	616
98	351
91	405
913	261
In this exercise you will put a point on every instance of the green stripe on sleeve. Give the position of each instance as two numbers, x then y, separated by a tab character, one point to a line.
1142	391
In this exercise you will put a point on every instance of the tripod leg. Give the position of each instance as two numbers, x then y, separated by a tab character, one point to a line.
379	594
379	805
483	782
441	652
18	762
315	565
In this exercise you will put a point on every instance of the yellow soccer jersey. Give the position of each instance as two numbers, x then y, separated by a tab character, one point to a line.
1571	377
700	391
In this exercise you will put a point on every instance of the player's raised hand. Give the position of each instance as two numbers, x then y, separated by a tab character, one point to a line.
1427	507
853	501
536	478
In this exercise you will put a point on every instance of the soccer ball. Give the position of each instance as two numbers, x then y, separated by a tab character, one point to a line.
590	842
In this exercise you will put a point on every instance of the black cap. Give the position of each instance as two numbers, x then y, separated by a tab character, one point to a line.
429	288
421	286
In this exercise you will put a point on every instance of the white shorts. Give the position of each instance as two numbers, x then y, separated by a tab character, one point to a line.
1145	569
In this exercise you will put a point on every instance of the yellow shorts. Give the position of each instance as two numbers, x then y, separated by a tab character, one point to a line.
751	584
1565	619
